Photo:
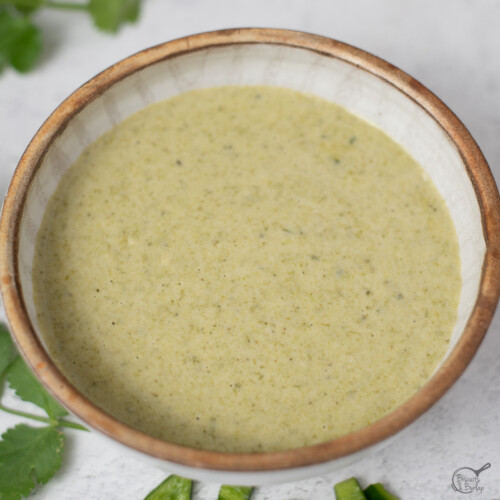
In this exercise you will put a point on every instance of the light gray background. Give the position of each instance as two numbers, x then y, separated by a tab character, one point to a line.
452	47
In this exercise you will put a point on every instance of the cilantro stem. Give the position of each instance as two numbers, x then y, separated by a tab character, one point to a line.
51	421
27	415
46	3
71	425
65	5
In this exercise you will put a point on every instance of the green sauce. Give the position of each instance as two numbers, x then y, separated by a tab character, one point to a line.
246	269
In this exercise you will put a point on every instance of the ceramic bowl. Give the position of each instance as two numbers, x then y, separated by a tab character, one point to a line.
364	84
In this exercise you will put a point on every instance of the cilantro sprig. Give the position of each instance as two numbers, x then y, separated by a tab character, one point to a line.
21	39
28	455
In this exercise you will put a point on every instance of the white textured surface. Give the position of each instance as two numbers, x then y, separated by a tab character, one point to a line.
449	45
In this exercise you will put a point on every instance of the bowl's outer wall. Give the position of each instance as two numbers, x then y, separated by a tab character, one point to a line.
310	459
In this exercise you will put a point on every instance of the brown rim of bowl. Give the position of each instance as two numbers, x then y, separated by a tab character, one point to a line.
32	350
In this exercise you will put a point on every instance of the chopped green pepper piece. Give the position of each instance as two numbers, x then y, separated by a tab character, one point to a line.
235	492
349	490
377	491
173	488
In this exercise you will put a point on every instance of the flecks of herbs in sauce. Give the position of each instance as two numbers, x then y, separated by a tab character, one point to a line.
246	269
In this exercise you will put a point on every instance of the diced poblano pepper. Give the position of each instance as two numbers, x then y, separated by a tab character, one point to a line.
349	490
235	492
173	488
377	491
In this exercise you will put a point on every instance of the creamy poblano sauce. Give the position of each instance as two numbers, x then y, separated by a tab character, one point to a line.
246	269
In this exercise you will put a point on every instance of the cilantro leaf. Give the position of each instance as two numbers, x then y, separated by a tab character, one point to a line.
29	389
109	15
26	6
20	41
7	349
28	455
